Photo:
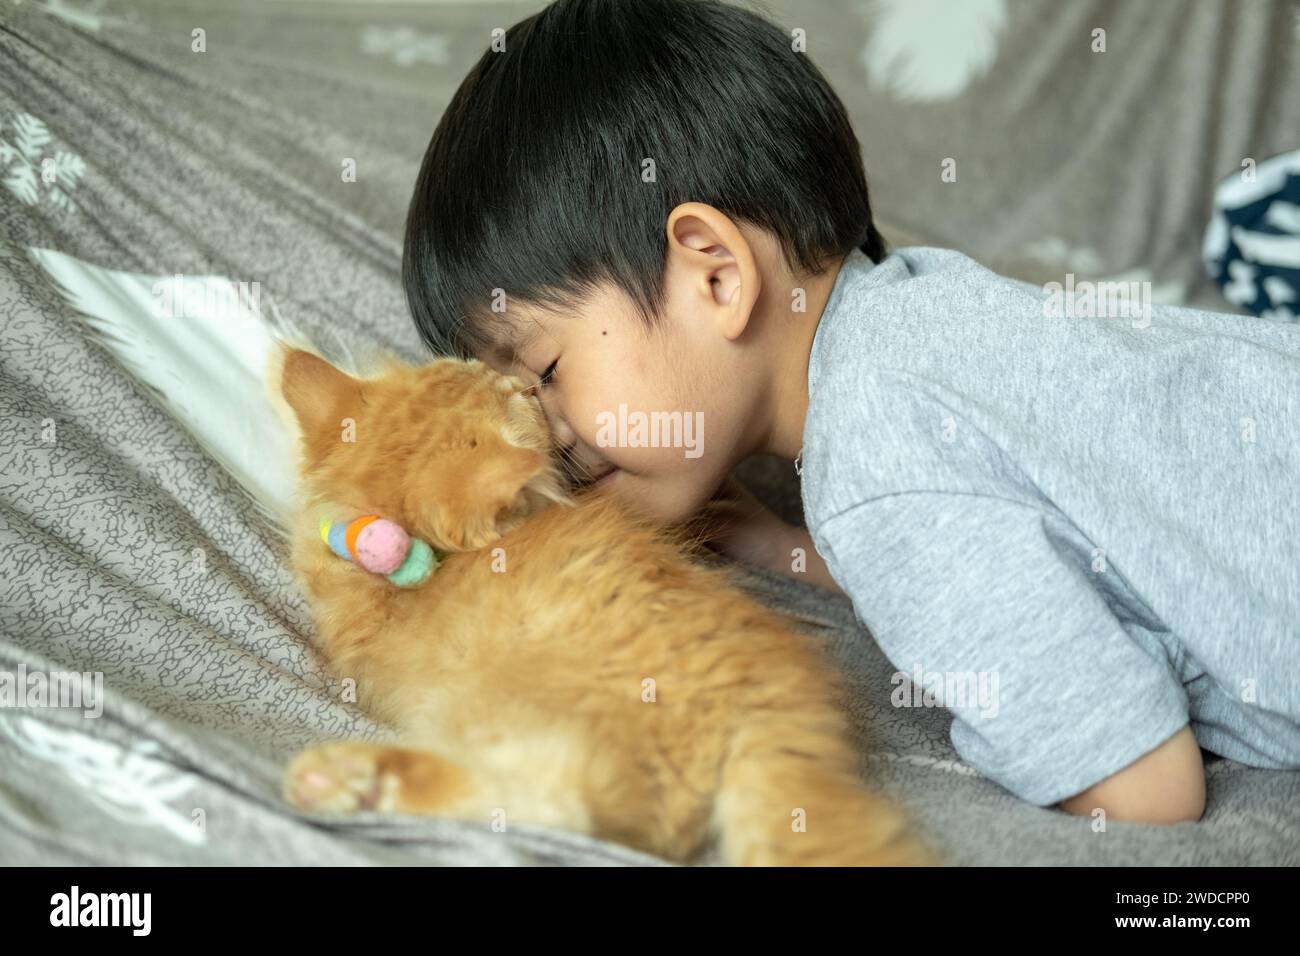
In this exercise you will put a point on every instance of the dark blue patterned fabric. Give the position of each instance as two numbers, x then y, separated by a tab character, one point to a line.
1252	246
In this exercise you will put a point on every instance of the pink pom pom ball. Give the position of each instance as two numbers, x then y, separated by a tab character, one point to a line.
382	546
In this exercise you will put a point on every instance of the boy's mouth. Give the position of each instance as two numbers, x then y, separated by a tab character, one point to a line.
605	478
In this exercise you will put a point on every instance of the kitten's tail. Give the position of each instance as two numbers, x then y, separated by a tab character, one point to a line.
200	345
795	800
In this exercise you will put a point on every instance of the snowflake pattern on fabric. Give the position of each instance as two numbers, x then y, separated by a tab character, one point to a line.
89	15
135	784
1057	253
26	169
404	45
931	50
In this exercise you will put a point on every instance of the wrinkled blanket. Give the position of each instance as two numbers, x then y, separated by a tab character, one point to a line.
125	551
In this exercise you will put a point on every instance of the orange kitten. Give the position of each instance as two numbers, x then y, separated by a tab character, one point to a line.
569	666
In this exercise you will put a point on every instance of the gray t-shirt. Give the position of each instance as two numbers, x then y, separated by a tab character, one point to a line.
1078	534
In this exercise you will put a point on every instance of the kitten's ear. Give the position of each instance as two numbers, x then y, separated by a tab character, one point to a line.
310	389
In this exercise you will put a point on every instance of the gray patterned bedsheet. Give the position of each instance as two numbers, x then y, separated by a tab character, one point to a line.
127	552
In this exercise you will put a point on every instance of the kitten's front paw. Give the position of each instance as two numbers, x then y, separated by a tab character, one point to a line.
336	778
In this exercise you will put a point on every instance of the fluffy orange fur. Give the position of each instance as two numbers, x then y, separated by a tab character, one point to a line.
569	665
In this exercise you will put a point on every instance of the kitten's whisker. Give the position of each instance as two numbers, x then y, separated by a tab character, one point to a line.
574	471
577	472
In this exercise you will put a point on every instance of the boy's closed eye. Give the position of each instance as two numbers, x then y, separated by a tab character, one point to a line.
548	377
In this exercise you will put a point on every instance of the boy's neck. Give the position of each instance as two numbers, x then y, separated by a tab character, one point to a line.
787	401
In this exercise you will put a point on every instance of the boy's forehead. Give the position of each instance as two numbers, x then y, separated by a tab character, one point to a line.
513	336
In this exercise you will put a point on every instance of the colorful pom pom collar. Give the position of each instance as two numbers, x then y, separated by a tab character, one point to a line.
382	547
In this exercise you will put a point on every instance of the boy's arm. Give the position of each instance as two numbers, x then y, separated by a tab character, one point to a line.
742	528
1165	786
816	570
994	608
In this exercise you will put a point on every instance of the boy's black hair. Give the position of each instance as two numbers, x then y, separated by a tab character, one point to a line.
532	182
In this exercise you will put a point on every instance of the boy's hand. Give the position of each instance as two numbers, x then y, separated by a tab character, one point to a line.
741	527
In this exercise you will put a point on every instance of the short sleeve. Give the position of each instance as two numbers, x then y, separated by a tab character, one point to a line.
992	604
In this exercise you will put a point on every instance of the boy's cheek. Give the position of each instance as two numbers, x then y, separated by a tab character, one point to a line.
667	465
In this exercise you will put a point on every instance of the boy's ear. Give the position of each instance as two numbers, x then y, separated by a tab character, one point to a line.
309	388
709	256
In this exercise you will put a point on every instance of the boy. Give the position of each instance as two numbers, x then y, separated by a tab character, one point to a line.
660	206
